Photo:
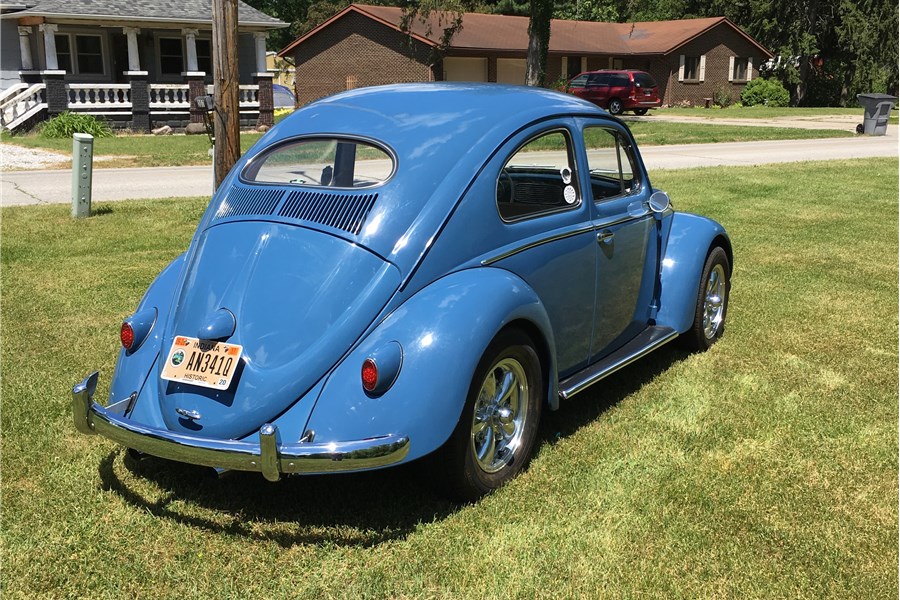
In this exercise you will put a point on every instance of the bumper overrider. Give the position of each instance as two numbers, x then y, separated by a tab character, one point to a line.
269	457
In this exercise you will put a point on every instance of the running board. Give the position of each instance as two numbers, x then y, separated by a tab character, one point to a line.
649	340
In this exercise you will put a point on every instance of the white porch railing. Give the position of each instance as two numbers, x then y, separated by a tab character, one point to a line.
22	104
90	97
169	96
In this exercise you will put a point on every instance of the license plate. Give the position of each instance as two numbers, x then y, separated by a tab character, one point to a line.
201	362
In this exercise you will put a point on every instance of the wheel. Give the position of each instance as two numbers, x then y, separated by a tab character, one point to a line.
640	111
712	302
615	107
495	434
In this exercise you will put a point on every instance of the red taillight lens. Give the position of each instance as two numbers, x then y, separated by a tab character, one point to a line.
126	335
369	375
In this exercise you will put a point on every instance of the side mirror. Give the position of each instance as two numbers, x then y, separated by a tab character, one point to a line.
659	202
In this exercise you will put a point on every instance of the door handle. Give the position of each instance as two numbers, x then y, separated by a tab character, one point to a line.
604	237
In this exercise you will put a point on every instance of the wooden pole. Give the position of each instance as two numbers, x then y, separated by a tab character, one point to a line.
225	78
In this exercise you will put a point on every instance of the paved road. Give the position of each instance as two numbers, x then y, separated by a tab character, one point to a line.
51	187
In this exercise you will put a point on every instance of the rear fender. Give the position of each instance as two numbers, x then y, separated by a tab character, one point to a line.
443	331
690	240
133	368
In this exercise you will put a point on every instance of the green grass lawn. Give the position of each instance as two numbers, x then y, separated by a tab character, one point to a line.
764	468
765	112
182	150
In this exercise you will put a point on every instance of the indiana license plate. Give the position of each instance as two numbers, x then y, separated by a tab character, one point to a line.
202	362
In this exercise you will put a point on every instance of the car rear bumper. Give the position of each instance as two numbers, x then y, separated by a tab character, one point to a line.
638	103
269	457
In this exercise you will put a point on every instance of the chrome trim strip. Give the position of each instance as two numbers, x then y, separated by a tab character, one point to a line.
269	457
560	236
619	364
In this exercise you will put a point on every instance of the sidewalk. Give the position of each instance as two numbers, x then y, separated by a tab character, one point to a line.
833	122
54	187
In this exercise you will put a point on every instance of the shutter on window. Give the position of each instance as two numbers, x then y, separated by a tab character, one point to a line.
583	64
702	67
749	68
731	68
565	67
681	68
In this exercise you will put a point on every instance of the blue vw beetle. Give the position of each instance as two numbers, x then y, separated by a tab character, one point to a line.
402	271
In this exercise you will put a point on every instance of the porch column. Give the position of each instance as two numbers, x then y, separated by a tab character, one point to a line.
260	39
190	43
25	48
140	100
134	57
49	30
266	100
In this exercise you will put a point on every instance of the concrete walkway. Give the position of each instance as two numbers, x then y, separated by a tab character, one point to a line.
54	187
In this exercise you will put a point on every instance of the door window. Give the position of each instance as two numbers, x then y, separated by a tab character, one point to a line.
611	163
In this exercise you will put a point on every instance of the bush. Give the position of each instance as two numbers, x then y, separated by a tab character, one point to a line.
767	92
723	97
67	123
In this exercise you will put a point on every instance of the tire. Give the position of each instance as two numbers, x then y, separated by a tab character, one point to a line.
640	111
495	435
615	107
712	303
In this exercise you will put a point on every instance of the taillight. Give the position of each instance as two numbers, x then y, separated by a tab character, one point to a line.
126	335
369	375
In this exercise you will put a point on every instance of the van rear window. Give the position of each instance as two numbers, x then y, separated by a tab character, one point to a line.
322	162
644	80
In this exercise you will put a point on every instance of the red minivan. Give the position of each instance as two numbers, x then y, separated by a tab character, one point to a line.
617	91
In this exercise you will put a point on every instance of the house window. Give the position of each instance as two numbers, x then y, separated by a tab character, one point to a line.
171	56
80	54
691	68
740	69
204	56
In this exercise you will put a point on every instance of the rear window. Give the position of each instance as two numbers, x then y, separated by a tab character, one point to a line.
322	162
619	80
644	80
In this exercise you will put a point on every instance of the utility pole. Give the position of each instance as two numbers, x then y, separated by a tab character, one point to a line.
225	78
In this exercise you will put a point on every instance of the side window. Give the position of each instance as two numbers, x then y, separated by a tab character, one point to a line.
539	178
578	82
611	164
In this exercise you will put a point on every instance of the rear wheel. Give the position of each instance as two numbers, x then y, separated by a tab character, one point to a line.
496	432
640	111
615	107
712	302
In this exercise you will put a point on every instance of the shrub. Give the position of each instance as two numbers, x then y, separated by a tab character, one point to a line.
722	97
67	123
767	92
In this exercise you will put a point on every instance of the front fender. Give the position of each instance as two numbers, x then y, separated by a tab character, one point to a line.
443	331
691	237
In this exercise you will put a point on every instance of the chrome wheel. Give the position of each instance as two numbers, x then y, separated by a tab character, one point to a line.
498	421
714	302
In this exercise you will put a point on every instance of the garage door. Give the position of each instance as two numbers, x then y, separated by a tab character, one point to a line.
465	69
511	70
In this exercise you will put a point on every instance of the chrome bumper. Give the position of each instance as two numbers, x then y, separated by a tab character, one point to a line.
270	457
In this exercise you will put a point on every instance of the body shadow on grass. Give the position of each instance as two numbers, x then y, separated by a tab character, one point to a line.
353	509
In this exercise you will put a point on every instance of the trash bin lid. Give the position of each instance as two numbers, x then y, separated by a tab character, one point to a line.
877	97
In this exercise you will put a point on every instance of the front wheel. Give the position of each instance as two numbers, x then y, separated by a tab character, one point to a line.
712	302
496	432
615	107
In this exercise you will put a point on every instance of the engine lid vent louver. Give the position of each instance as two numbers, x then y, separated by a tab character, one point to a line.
341	211
243	201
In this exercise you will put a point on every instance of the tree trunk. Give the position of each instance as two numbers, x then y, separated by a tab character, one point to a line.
225	77
538	42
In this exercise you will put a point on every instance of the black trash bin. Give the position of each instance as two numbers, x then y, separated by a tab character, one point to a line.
878	109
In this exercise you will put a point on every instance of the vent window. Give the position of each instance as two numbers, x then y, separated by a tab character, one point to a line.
322	162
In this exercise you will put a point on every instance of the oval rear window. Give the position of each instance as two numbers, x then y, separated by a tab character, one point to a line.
322	162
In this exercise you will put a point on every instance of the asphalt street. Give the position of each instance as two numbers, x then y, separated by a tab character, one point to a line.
54	187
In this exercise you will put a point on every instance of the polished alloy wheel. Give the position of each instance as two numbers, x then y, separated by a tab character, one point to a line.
714	302
498	421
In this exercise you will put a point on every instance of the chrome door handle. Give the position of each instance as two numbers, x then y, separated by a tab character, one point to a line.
604	237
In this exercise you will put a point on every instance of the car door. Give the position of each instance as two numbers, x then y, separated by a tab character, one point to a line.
547	234
626	236
597	90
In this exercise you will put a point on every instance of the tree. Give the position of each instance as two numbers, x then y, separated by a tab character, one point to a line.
538	41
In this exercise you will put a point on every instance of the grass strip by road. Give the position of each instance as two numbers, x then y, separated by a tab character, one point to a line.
766	467
183	150
765	112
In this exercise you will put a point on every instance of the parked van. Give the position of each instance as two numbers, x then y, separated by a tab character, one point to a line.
617	91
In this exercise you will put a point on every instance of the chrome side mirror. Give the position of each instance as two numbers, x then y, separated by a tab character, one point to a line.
659	202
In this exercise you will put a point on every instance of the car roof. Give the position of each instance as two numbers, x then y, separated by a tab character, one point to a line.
441	134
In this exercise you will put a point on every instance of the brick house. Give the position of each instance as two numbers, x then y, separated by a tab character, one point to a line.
136	64
364	45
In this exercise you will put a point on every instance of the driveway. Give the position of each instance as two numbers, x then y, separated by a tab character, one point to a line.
54	186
